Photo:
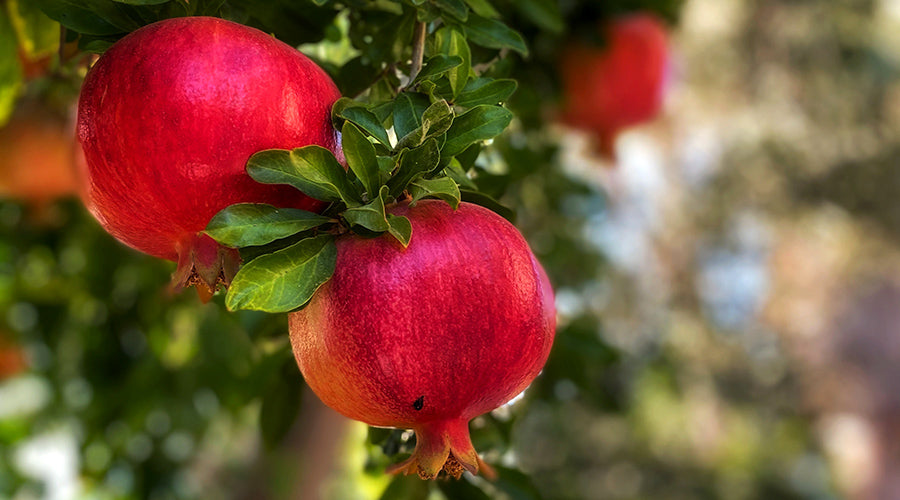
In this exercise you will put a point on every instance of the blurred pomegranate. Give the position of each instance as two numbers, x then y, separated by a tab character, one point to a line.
609	88
12	359
430	336
37	162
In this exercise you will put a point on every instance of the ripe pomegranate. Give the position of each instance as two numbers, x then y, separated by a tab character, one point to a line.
619	85
167	119
36	156
431	336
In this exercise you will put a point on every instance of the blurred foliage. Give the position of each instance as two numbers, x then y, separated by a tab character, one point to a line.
660	384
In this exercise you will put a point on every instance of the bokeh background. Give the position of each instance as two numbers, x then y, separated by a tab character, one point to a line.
728	292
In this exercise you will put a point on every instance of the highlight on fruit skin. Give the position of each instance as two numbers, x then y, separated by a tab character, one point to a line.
617	85
431	336
168	118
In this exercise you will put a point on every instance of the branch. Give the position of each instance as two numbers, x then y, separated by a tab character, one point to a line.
418	51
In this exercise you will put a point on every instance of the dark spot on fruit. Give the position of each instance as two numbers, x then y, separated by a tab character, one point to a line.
419	404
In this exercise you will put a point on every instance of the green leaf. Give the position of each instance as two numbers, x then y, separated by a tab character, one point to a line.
478	124
486	91
414	162
360	154
453	43
483	8
456	8
38	35
408	109
373	217
10	69
436	120
486	201
438	65
544	13
457	172
494	34
285	279
90	17
363	118
311	169
251	224
400	228
444	188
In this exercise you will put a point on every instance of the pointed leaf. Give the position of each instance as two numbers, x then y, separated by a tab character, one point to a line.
486	201
400	228
435	121
311	169
408	109
444	188
370	216
455	8
367	121
493	34
360	154
252	224
414	162
453	43
483	8
285	279
486	91
438	65
478	124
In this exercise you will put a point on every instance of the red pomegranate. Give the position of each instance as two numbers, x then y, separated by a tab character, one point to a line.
431	336
619	85
167	119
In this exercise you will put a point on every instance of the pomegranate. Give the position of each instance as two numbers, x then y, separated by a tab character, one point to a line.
167	119
12	359
37	164
610	88
431	336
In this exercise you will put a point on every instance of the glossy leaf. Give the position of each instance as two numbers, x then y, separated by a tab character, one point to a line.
455	8
486	91
400	228
494	34
483	8
373	217
436	120
478	124
438	65
486	201
364	119
408	109
444	188
91	17
414	162
311	169
285	279
453	43
252	224
360	155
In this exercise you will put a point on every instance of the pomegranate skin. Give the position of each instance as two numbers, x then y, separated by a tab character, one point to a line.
622	84
430	336
169	115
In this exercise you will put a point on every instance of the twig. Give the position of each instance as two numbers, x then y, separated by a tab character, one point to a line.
418	51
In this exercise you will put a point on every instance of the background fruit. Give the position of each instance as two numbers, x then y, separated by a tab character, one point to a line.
620	84
431	336
168	118
37	155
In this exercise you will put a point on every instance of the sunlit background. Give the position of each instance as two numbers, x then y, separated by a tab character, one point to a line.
728	293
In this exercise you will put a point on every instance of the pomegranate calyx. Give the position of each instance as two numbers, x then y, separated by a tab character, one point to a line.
443	449
204	264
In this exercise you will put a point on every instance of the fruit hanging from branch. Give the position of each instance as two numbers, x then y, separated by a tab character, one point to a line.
167	119
429	336
618	85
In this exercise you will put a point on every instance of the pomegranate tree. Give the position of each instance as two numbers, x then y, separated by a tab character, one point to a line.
429	336
618	85
167	119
